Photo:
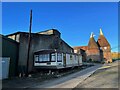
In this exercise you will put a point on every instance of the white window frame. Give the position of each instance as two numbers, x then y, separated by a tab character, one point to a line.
44	58
59	57
53	57
36	56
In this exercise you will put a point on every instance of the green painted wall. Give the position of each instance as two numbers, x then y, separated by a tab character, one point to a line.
10	49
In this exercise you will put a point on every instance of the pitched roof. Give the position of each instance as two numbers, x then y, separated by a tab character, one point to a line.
8	39
81	47
49	31
92	43
102	41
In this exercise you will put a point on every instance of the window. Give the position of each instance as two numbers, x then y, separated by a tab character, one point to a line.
75	51
105	48
36	58
44	58
40	58
53	57
75	57
59	57
100	48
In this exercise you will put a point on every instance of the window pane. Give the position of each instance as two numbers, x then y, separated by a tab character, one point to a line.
47	58
59	57
44	57
36	58
40	58
53	57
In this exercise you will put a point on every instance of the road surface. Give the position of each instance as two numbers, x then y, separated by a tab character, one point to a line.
105	77
69	81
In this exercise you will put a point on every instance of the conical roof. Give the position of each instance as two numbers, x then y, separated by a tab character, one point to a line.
102	41
92	43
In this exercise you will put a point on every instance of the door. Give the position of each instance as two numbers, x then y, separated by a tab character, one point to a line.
64	60
5	67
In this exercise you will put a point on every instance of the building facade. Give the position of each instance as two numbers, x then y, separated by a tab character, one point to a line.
49	39
96	51
81	50
104	47
93	52
10	49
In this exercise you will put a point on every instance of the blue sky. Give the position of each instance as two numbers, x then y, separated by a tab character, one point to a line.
75	21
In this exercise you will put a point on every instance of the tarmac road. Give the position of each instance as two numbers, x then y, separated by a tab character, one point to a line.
105	77
69	81
98	76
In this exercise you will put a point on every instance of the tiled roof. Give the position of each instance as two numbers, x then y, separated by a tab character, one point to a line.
92	44
81	47
102	41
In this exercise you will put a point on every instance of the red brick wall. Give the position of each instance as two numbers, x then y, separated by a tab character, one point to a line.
93	54
107	56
